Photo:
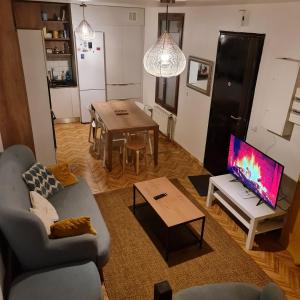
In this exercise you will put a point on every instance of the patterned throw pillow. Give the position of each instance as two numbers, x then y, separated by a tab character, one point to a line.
42	181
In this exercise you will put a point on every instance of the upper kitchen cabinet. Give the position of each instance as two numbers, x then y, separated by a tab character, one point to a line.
28	15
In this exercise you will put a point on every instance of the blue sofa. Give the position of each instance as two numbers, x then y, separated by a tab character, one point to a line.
76	281
26	234
224	291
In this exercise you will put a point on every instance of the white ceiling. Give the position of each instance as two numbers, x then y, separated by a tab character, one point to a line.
143	3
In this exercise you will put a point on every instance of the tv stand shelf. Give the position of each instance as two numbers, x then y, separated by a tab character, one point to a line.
239	201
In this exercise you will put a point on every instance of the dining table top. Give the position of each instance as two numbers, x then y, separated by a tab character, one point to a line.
123	115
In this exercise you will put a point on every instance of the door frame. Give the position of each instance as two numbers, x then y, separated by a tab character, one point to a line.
171	17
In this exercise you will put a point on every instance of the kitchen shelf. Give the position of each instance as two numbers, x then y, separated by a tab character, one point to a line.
53	55
55	21
57	40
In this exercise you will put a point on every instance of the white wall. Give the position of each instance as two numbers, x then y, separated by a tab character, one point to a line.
280	23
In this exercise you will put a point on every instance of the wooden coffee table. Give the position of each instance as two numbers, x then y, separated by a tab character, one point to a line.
174	209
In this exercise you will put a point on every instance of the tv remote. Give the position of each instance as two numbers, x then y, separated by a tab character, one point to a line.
160	196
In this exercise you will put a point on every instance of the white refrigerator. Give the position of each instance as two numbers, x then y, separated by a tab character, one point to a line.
91	72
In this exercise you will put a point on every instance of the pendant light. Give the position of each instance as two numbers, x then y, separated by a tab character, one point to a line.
165	58
84	29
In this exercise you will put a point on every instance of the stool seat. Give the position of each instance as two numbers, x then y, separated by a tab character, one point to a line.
136	144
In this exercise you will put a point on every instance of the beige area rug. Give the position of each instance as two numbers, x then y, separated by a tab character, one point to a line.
136	262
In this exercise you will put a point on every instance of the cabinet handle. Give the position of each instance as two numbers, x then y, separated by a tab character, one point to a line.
236	118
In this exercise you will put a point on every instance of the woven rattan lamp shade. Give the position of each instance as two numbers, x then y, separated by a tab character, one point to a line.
165	58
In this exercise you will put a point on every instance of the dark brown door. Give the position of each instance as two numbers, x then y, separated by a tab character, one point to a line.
237	64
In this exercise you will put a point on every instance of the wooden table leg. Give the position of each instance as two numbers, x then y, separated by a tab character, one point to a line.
156	136
109	151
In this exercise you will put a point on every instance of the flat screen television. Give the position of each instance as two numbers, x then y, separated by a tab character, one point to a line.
258	172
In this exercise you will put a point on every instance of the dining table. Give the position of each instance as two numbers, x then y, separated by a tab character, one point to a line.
124	116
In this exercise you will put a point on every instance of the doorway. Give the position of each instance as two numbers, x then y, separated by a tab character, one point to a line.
166	91
237	65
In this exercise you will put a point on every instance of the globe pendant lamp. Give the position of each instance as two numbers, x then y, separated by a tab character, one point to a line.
84	29
165	58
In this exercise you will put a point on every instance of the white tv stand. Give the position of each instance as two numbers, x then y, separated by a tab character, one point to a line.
243	205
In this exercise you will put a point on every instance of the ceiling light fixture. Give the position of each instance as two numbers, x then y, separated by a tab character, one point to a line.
165	58
84	29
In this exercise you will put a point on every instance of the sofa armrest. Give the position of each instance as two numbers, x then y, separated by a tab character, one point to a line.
29	241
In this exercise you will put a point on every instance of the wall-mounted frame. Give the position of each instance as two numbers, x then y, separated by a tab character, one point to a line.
199	74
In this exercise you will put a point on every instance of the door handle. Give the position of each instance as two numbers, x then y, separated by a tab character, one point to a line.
236	118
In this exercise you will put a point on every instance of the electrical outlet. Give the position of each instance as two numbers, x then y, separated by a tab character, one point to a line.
132	16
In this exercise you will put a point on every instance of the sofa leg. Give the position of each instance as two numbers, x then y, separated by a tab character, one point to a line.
101	275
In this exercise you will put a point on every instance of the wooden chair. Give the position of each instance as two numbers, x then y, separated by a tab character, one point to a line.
137	145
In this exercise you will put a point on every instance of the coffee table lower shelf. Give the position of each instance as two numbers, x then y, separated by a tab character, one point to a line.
178	229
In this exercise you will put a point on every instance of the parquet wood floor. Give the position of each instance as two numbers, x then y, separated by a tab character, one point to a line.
174	162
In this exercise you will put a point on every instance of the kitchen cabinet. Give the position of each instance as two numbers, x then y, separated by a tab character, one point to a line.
124	49
28	15
65	103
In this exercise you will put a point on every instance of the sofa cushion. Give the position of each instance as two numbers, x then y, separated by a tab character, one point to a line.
39	179
272	292
72	227
45	219
73	282
63	174
42	204
2	273
224	291
77	200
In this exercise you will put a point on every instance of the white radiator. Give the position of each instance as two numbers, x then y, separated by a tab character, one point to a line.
165	120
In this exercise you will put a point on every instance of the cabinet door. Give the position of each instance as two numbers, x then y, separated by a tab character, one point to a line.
113	54
75	102
28	15
133	50
61	99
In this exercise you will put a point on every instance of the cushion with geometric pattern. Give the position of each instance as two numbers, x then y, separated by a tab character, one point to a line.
39	179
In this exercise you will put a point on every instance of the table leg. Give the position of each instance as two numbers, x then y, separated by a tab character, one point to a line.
109	151
134	189
202	232
210	197
251	234
167	245
156	137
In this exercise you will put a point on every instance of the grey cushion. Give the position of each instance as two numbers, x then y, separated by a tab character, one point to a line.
40	180
272	292
224	291
77	200
75	282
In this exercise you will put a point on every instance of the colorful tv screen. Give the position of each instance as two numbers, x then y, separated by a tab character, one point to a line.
257	171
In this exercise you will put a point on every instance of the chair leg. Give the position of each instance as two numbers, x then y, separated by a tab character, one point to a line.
90	132
124	159
150	144
137	162
145	157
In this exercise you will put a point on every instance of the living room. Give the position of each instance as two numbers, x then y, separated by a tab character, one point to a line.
211	239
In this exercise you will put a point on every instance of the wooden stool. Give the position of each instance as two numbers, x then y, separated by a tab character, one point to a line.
137	144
